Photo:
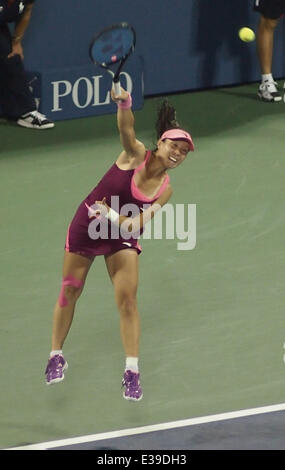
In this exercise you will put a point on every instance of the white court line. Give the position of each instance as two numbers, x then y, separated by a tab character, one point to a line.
151	428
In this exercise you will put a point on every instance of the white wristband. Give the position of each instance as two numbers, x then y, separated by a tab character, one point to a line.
113	216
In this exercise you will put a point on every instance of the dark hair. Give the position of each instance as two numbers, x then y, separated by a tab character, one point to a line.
166	118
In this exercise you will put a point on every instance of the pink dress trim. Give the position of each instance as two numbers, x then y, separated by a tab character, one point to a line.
137	194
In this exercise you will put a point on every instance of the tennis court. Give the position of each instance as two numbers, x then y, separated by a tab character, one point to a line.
212	317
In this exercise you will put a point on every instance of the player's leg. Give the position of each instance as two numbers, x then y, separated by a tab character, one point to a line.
75	270
123	270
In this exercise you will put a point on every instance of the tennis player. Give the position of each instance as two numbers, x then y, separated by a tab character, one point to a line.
139	177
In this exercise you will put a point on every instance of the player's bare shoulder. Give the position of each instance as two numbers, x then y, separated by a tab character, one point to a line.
129	161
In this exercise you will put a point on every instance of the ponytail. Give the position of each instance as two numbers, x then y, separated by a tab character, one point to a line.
166	118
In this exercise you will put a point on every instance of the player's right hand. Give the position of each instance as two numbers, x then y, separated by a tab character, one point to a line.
122	97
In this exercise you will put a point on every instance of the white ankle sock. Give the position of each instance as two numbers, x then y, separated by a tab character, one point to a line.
55	352
132	364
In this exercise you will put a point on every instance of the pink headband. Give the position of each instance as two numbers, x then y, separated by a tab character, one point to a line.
178	134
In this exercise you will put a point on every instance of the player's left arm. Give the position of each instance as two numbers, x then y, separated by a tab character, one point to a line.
131	224
19	31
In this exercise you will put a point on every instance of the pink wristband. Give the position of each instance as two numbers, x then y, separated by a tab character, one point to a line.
126	104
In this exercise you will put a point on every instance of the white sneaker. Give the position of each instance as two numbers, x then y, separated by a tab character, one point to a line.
268	91
35	120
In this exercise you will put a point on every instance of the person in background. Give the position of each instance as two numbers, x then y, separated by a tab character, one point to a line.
16	99
270	13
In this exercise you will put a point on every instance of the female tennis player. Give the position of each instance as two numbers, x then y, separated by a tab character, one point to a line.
138	177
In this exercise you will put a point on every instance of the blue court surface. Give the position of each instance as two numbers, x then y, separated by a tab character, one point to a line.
253	429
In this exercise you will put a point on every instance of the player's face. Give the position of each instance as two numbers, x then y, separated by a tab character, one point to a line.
173	152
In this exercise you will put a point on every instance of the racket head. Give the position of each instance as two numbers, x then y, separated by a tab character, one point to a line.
113	45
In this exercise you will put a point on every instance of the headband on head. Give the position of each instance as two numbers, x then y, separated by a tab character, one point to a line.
178	134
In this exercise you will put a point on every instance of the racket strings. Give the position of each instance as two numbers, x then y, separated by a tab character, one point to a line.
113	45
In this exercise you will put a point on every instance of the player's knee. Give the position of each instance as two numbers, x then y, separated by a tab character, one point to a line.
71	289
127	303
72	292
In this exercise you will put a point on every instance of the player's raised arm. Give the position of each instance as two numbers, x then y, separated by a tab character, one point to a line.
126	124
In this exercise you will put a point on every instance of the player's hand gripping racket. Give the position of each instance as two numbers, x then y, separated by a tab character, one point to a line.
111	48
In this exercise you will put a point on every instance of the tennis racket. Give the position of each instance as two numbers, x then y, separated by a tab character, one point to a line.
111	48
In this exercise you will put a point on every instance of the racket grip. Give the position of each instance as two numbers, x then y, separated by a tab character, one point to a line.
117	88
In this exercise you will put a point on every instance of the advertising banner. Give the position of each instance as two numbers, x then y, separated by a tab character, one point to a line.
77	92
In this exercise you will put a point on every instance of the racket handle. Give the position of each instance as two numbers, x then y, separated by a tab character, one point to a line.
117	88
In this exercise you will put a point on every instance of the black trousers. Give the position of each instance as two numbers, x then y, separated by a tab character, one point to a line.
16	98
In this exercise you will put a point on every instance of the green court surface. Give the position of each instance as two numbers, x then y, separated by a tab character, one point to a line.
212	317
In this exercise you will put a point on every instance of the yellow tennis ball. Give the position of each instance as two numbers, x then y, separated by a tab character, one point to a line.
246	34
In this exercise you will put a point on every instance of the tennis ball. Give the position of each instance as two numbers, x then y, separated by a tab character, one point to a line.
246	34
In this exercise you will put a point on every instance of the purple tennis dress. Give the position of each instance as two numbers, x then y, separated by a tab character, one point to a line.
82	237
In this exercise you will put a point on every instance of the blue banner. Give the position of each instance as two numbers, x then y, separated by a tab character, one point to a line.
85	91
